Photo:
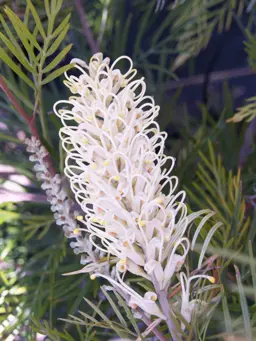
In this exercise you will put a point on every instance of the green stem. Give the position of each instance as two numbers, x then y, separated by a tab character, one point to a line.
42	117
39	90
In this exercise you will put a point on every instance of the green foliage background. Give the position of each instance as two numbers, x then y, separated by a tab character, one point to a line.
37	41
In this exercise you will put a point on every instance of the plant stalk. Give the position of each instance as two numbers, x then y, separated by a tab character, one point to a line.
163	300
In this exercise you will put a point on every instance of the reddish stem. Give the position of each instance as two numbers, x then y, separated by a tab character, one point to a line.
29	121
12	99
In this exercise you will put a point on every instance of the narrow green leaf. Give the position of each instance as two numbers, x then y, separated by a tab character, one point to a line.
244	306
57	73
57	59
235	217
61	27
53	6
103	316
37	19
10	35
15	68
58	6
4	137
21	28
22	35
125	33
99	312
16	53
17	90
128	313
89	317
115	308
26	16
47	8
142	28
253	268
58	41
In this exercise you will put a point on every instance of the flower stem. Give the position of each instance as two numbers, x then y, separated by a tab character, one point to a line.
42	118
163	300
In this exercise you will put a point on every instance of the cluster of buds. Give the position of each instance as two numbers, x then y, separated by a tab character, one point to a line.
122	180
62	207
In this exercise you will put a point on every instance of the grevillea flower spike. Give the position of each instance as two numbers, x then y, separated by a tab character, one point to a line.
122	179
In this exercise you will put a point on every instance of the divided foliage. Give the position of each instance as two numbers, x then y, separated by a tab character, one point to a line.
37	41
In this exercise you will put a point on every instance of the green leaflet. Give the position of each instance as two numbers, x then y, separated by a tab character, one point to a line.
16	53
15	68
4	137
58	40
21	29
11	36
57	73
61	26
57	59
37	19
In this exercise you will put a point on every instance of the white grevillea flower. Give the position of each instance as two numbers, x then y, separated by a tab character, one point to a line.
120	175
187	305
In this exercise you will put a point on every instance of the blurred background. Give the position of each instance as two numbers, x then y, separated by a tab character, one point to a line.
198	58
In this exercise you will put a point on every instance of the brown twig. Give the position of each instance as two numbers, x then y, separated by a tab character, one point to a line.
86	29
213	77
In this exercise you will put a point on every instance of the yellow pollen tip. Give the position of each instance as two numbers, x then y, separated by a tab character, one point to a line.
159	200
84	141
212	279
94	166
76	231
166	238
106	163
92	277
79	217
116	178
153	298
142	223
123	261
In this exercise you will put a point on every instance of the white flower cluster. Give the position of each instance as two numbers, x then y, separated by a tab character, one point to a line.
62	206
122	179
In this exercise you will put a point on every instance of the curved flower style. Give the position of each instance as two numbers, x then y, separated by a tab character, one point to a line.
120	175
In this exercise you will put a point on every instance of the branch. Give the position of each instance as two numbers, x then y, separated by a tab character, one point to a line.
86	29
